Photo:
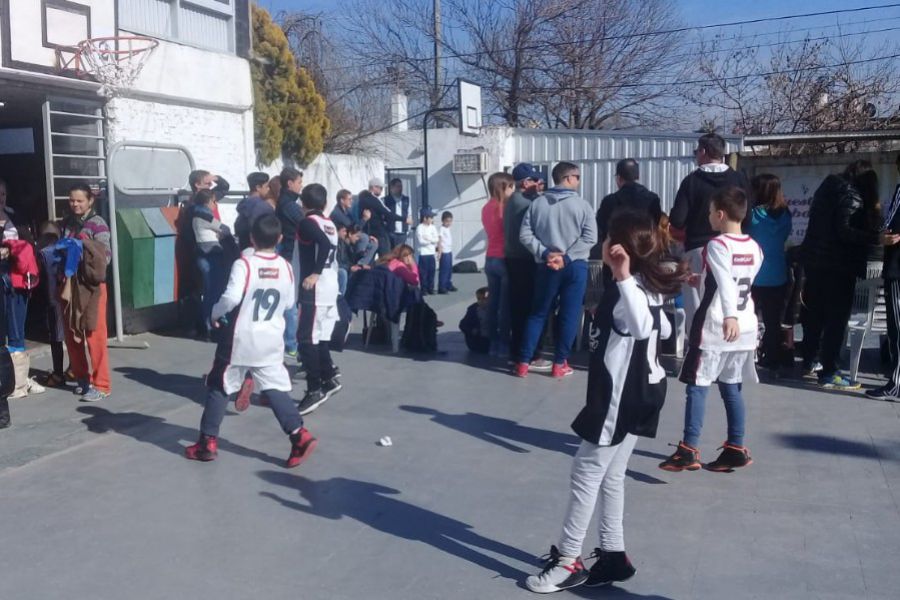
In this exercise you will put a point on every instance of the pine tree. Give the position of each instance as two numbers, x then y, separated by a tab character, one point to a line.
289	113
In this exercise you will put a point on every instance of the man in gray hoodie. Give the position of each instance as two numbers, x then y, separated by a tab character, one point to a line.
559	230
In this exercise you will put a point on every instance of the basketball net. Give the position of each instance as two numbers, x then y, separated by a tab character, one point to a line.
115	62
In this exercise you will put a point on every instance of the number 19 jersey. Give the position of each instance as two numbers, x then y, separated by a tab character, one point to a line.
730	263
268	290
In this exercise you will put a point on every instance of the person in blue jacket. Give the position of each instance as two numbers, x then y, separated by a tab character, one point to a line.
770	226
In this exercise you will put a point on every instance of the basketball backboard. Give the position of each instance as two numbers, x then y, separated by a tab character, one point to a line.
469	108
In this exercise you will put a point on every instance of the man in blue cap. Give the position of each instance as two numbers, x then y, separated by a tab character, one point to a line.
520	264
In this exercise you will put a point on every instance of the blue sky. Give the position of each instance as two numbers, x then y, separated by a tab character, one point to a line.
697	12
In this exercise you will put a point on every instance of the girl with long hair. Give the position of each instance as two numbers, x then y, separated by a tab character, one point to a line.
501	187
626	391
770	226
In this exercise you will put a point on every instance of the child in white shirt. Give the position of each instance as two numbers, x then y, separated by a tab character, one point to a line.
428	237
445	250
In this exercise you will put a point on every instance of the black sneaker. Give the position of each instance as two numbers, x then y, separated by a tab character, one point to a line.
685	458
732	457
335	373
311	401
558	574
330	387
886	392
610	567
452	289
4	413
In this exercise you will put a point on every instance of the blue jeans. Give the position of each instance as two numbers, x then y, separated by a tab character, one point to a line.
568	284
498	304
343	276
291	322
695	409
426	272
16	311
445	281
212	272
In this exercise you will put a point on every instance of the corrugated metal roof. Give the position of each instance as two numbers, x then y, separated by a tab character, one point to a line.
664	158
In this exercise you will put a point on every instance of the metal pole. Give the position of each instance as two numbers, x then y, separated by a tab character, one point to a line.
437	54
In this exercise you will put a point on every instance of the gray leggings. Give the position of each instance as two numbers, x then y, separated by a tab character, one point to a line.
282	405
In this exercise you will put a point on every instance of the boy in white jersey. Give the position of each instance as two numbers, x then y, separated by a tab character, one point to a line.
318	240
723	335
251	315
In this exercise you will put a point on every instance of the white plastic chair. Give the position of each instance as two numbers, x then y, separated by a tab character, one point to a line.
679	318
868	301
369	326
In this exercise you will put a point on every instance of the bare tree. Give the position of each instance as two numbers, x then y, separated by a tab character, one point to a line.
799	86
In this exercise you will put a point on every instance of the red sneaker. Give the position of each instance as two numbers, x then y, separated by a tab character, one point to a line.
520	370
562	370
242	402
302	445
206	449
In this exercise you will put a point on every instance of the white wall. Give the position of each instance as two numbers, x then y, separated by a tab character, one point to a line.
463	195
220	141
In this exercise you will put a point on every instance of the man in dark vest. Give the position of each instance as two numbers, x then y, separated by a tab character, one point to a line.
398	204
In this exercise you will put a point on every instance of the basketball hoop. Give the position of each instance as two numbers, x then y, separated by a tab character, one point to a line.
115	62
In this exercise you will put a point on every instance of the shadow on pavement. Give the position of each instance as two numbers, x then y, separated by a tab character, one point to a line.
371	504
612	591
830	445
160	433
497	431
176	384
502	432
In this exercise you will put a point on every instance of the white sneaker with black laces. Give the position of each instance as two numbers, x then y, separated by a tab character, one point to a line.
559	573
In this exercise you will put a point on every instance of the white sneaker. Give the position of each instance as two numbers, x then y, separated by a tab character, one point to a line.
34	387
559	573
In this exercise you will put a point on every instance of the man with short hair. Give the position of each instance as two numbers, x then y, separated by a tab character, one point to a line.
289	213
559	229
520	265
398	203
381	217
630	195
204	180
252	207
690	212
341	215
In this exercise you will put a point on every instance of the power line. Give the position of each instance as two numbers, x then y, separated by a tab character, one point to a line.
390	60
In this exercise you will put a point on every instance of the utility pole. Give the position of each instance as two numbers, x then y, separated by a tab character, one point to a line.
436	96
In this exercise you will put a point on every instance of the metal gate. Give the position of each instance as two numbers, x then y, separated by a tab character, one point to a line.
74	148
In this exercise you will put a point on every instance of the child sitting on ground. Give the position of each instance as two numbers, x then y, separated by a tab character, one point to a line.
475	324
260	290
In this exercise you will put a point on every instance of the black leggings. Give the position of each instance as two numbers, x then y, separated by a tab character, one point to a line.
827	304
770	302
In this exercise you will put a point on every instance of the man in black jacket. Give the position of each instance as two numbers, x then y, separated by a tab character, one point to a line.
288	210
398	203
381	220
690	211
630	195
891	274
841	228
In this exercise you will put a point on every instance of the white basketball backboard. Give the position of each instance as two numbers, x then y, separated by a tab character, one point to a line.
469	108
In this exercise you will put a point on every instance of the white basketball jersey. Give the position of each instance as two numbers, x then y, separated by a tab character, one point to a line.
327	287
730	264
259	325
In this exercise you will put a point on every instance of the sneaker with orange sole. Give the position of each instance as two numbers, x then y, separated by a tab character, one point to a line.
685	458
732	457
206	449
520	370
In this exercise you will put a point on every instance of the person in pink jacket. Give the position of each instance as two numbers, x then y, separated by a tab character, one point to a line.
402	263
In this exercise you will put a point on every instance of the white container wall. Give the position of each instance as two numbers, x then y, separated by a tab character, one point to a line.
665	159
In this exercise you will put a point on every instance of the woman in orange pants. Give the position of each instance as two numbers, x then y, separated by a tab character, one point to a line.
93	379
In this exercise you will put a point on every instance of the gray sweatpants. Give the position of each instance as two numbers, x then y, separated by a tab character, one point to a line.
597	470
282	405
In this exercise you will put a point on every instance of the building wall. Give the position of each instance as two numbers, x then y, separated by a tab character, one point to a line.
665	160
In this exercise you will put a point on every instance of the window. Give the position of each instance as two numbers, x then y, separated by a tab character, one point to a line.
201	23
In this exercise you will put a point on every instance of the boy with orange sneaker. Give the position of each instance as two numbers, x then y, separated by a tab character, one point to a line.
260	290
722	339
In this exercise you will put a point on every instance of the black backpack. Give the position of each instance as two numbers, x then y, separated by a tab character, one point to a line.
7	373
420	333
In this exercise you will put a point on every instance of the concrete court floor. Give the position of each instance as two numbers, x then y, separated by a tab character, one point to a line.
97	502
